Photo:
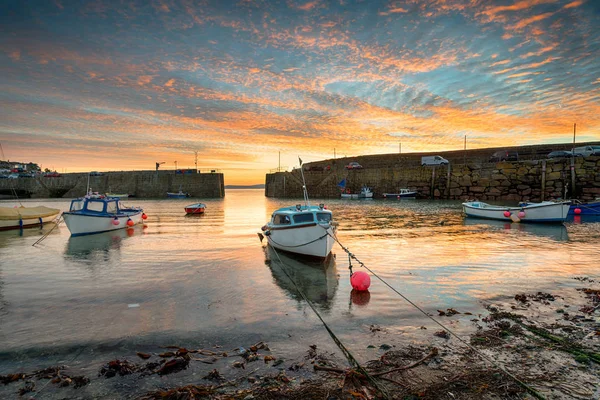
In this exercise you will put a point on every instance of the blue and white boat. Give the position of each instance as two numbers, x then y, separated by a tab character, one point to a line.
89	214
546	211
178	195
302	229
585	208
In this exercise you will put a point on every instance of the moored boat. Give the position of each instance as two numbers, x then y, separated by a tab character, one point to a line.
196	208
179	195
118	195
404	193
301	229
585	208
546	211
26	217
88	215
365	193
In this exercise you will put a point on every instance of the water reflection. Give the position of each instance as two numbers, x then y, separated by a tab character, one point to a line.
556	232
97	246
318	280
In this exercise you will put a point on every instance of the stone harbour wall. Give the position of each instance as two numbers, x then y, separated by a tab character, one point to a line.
141	184
528	180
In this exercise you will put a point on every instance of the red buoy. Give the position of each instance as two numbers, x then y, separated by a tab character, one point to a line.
507	214
577	211
130	222
116	221
521	214
360	280
144	216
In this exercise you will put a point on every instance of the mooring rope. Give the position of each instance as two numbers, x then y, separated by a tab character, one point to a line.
45	235
351	359
531	390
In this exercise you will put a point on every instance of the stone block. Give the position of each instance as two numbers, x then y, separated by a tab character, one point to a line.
553	175
477	189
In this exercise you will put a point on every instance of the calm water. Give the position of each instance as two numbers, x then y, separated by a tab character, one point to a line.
206	280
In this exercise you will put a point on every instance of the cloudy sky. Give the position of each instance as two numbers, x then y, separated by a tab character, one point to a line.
119	85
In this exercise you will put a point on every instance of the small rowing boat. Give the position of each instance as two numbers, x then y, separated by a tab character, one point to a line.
26	217
196	208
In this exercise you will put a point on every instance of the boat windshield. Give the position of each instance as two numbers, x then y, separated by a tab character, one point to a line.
281	219
97	206
324	217
301	218
76	205
111	207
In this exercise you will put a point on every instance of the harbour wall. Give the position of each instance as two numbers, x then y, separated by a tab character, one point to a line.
141	184
527	180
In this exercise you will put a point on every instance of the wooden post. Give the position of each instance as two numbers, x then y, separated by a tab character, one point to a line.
572	177
284	185
448	183
432	181
543	180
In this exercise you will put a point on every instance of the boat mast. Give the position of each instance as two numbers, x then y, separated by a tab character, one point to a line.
306	202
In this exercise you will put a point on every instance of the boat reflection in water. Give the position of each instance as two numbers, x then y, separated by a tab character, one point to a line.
97	246
317	279
556	232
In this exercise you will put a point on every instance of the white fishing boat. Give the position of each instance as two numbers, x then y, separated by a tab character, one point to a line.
88	215
404	193
546	211
26	217
301	229
365	193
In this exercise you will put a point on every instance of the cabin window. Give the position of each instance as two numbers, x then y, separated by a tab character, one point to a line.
111	207
97	206
76	205
300	218
281	219
324	217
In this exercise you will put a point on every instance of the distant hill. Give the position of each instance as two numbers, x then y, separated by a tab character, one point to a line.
259	186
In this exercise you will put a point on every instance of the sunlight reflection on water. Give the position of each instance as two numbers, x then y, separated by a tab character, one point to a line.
207	279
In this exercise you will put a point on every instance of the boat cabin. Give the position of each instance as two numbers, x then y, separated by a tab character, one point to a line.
301	215
95	206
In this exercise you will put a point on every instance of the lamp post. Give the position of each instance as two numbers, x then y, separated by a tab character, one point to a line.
175	165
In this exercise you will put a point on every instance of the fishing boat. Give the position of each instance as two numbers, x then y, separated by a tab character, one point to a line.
301	229
404	193
118	195
196	208
26	217
178	195
546	211
89	215
365	193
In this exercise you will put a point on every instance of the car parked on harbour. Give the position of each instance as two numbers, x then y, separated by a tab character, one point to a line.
559	154
96	173
354	165
504	155
586	151
52	175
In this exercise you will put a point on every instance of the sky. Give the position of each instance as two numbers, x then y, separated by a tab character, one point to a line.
120	85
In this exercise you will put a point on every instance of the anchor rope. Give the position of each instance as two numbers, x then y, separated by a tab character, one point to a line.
45	235
351	359
531	390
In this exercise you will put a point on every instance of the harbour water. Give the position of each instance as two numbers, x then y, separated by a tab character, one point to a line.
203	281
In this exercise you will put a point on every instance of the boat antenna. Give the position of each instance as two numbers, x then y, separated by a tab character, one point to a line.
306	202
87	187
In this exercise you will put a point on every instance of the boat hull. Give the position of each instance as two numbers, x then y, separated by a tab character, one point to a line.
195	209
400	195
539	212
585	209
6	225
176	196
313	240
85	224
